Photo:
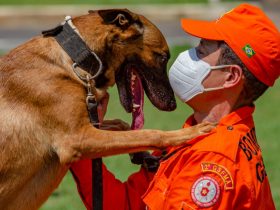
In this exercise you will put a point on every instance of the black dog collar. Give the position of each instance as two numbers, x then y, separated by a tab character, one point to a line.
68	38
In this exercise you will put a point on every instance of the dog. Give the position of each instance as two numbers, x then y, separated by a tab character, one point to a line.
44	116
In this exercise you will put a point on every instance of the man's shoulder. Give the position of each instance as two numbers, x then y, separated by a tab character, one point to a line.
223	141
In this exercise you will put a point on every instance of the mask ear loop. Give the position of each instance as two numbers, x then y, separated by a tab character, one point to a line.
220	67
212	89
216	68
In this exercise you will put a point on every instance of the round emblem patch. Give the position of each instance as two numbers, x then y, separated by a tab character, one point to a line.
205	191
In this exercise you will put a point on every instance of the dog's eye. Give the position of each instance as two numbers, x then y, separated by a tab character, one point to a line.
162	58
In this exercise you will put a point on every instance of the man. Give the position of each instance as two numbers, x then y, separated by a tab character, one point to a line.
237	59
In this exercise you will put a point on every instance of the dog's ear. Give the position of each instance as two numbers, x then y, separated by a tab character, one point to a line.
122	18
128	22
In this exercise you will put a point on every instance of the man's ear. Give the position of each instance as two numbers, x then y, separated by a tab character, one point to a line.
122	18
233	76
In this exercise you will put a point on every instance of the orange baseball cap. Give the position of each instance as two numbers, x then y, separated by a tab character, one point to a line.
250	34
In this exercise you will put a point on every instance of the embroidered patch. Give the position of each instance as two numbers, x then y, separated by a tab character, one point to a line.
248	50
205	191
221	171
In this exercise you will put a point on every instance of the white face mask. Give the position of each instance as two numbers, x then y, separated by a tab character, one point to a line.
187	73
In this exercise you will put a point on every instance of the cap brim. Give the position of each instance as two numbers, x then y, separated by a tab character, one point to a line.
201	29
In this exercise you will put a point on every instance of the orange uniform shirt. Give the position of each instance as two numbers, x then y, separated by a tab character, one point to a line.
221	170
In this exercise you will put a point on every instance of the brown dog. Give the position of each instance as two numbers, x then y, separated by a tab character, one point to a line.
44	119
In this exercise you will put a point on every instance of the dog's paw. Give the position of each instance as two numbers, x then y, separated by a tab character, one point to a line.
205	127
197	130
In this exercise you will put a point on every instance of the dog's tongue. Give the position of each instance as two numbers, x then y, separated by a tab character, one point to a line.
137	100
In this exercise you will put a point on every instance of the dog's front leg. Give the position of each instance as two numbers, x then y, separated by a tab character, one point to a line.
90	142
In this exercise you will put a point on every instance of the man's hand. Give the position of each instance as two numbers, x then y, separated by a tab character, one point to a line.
114	125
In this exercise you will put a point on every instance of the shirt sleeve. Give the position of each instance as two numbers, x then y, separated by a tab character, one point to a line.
116	194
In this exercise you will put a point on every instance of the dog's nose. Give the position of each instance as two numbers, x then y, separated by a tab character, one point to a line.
167	105
172	105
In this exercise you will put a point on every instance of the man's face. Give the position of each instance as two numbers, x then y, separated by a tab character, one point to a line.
209	51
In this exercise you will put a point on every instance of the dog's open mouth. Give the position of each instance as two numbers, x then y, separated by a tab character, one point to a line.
131	92
137	93
133	80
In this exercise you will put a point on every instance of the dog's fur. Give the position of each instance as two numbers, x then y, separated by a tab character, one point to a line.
44	123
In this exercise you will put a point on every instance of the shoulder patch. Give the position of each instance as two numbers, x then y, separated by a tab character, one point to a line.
220	171
205	191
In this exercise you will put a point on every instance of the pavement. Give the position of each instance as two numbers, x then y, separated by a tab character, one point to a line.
20	23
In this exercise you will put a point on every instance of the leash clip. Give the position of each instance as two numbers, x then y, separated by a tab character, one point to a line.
91	102
90	91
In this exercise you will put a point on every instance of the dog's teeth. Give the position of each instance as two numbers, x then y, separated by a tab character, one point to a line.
136	105
133	77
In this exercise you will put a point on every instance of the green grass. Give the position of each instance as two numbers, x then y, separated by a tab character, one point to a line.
267	117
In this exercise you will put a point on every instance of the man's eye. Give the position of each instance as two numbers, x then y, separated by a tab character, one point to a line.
199	52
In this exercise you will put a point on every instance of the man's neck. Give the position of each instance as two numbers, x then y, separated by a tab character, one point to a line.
214	114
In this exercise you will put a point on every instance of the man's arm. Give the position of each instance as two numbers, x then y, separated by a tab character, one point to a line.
116	195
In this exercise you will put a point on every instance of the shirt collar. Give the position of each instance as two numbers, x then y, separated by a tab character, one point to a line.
230	119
